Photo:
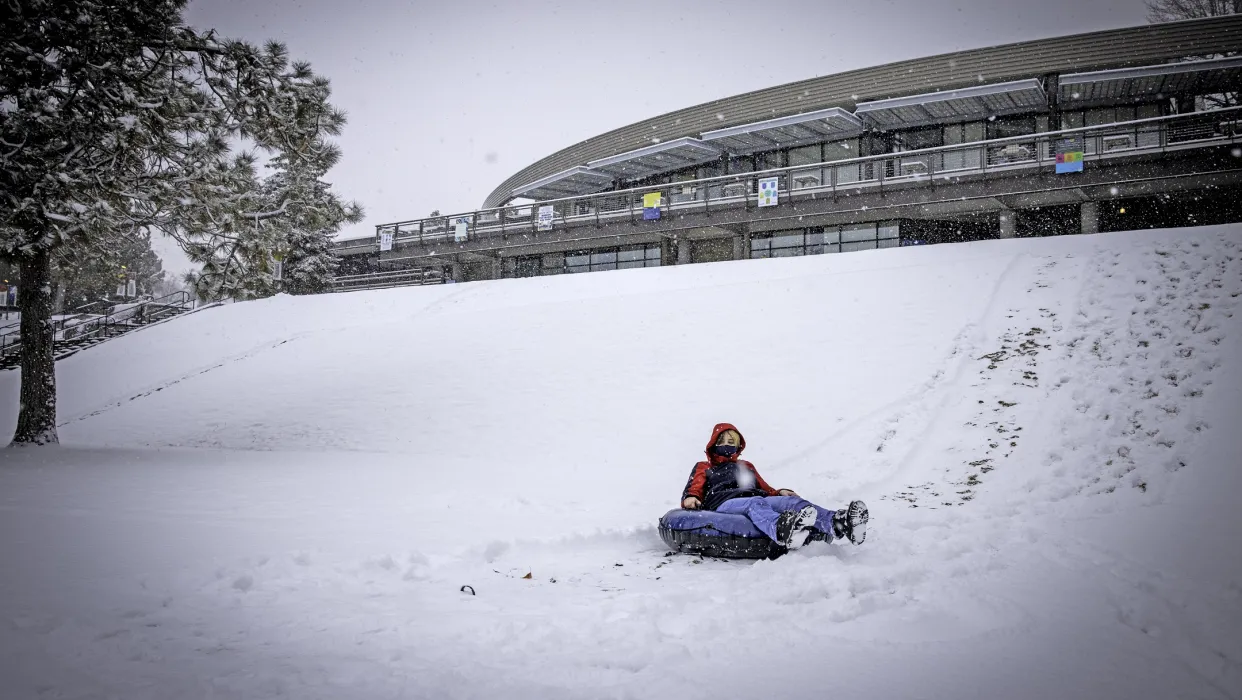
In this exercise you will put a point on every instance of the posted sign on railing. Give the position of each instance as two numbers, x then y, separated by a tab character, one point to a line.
768	192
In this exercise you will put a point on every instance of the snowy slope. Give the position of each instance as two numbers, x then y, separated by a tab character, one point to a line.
283	498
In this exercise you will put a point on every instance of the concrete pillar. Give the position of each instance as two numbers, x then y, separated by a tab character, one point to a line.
745	246
737	247
1090	215
1008	225
683	251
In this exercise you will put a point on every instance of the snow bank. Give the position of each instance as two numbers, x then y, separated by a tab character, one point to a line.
1043	430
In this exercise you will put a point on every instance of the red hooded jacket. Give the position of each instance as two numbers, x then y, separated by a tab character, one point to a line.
715	481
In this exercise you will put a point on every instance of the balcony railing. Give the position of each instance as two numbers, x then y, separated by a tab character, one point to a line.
868	173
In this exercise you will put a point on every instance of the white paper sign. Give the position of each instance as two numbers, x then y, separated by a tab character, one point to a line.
120	289
767	191
385	241
132	289
545	217
461	230
278	270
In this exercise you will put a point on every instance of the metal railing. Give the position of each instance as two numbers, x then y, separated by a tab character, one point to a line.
390	278
867	173
104	319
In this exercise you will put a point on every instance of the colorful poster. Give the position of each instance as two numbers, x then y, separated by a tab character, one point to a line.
545	217
1069	156
385	241
461	229
651	206
768	196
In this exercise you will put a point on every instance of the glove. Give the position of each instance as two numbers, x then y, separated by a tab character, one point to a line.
786	492
691	503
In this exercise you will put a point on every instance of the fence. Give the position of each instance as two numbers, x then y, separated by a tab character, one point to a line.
980	158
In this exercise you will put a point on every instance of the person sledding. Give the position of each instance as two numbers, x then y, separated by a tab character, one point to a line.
726	484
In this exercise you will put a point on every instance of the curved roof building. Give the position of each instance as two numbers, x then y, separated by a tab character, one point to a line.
1028	60
1110	130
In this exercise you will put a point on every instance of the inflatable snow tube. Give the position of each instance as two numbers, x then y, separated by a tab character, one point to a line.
725	535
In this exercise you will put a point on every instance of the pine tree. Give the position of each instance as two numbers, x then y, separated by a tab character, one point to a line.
1173	10
116	116
310	215
86	276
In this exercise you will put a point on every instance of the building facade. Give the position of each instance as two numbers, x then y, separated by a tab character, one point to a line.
1111	130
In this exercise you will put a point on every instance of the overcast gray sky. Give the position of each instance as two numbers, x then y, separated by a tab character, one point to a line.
447	99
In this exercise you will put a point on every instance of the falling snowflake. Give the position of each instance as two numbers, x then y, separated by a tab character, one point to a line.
1113	191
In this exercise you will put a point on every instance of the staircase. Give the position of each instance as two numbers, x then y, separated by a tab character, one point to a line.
95	323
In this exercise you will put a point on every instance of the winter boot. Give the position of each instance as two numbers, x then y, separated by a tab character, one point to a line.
792	527
851	522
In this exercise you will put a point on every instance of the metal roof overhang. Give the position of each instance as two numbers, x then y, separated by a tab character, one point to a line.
657	158
830	124
567	183
1153	82
948	106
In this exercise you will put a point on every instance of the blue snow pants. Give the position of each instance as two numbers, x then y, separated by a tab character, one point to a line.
764	510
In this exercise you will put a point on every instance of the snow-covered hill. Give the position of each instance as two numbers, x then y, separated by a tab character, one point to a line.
285	497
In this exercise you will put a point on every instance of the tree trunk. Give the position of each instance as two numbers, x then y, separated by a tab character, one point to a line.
36	419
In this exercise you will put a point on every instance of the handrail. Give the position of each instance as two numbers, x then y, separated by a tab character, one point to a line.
443	222
86	328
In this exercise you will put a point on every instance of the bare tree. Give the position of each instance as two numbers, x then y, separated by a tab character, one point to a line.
1173	10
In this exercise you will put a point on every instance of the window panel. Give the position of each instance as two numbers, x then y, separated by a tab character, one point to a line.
806	155
1148	111
888	229
861	245
787	252
857	232
629	255
814	236
787	240
1071	120
577	260
888	243
832	234
603	258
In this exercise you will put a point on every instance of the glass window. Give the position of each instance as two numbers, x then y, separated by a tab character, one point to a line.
1125	114
578	260
952	134
1100	115
807	155
841	150
787	252
832	234
857	232
815	236
972	132
630	255
1005	127
603	259
741	164
888	229
787	240
1071	120
760	247
919	138
888	243
770	161
861	245
1148	111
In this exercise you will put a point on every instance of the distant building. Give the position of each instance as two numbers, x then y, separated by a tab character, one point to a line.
1092	132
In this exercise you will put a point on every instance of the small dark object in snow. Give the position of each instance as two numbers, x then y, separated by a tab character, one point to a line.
528	575
618	564
463	589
